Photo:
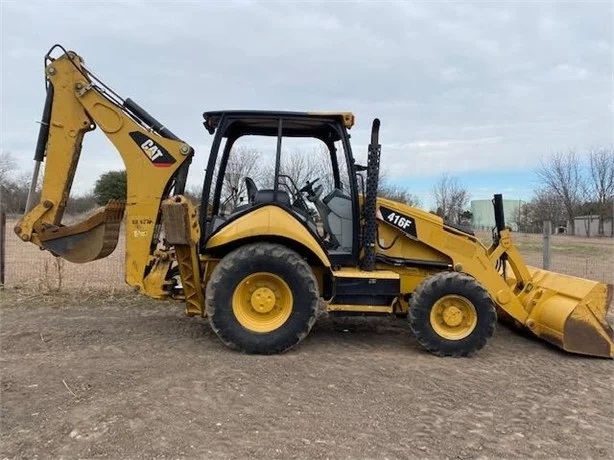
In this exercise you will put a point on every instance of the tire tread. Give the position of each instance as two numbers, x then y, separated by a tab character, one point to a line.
243	255
420	308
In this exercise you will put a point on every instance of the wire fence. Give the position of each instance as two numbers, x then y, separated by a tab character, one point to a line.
26	266
583	257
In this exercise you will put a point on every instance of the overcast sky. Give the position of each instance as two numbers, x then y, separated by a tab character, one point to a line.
480	90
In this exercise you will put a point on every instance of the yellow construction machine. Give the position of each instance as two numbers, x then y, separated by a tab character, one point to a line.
261	270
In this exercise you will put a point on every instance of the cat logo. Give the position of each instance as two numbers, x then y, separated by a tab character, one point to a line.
151	149
157	154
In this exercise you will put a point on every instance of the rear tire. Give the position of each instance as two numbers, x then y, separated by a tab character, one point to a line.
262	298
451	314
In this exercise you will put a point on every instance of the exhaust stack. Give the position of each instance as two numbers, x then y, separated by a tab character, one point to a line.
370	227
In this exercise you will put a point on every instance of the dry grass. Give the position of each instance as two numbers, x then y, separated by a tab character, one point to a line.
28	267
33	270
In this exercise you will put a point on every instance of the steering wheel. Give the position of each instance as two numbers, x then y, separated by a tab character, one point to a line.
308	187
316	193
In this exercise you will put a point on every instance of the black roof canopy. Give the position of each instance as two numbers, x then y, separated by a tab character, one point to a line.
266	123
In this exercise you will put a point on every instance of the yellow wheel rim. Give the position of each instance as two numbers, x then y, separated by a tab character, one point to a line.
262	302
453	317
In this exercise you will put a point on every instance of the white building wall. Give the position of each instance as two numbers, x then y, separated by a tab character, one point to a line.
484	214
590	225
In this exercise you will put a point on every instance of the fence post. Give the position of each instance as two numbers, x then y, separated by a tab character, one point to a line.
2	244
546	245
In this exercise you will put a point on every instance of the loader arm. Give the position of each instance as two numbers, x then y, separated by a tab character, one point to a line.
156	163
566	311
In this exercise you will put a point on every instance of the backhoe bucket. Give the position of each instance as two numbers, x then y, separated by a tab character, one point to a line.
92	239
570	312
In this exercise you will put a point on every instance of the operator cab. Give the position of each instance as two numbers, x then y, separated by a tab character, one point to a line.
318	188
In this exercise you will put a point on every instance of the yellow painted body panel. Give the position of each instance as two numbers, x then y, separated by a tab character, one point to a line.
268	221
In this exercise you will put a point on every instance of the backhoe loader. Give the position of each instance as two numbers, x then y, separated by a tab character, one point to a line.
260	270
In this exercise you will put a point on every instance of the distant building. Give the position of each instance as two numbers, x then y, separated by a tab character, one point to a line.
589	226
483	214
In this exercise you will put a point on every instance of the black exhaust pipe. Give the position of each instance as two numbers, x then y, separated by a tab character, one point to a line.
500	225
370	229
499	214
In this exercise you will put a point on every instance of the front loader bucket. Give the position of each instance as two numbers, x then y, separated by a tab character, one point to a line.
92	239
569	312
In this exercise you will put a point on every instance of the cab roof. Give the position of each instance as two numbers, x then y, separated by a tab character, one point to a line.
265	123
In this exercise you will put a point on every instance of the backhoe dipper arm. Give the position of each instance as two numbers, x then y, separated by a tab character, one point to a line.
156	162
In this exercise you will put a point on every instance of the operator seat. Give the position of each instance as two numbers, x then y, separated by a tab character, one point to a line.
267	196
252	189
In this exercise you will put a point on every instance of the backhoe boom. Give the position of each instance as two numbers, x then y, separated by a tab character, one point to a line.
155	159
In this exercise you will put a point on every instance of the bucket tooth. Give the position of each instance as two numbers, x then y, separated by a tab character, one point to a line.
92	239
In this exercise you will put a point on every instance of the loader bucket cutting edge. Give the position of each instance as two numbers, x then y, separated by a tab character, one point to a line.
92	239
570	312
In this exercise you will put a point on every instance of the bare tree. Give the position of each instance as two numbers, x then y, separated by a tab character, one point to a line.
194	193
599	187
7	166
387	189
242	162
15	190
451	198
14	184
561	175
302	166
399	194
545	205
324	168
306	165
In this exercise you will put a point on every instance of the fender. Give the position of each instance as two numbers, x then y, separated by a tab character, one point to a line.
271	221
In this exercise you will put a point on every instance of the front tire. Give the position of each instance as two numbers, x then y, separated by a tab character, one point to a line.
262	298
451	314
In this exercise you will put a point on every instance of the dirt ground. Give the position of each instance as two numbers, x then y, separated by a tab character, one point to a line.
127	377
